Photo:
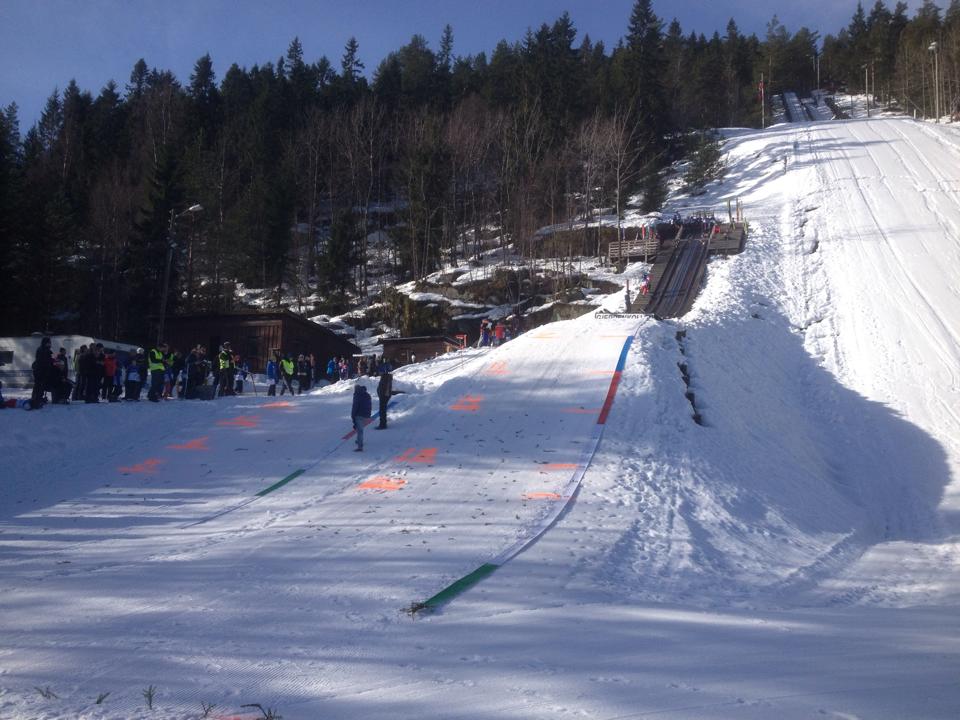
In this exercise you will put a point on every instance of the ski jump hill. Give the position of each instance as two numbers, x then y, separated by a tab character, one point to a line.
749	511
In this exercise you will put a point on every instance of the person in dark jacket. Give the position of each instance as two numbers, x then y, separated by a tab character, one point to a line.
99	368
361	410
303	374
273	374
60	379
384	391
87	365
78	389
42	369
196	368
225	363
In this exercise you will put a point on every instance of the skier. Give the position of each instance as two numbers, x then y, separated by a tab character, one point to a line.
645	284
361	410
384	391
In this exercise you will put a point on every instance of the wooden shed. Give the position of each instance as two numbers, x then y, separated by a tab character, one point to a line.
255	334
401	351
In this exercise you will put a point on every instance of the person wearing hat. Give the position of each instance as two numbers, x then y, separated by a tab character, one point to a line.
157	366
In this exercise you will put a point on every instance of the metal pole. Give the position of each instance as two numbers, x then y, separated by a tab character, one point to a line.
866	87
171	246
763	107
166	278
935	49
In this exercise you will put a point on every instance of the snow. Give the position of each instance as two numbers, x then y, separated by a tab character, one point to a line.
794	556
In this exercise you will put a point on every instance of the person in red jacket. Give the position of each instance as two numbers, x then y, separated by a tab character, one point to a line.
498	333
109	370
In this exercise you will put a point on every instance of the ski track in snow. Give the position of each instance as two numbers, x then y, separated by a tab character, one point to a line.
795	555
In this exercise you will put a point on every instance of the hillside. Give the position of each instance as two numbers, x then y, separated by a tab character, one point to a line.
794	555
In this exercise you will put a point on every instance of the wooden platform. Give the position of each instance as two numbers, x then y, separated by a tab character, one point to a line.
729	238
679	267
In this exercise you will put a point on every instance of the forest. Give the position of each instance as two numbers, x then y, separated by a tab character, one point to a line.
309	172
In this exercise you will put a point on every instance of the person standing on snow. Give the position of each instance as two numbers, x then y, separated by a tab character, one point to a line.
384	391
78	389
273	374
287	371
136	372
361	410
156	364
225	363
42	369
303	374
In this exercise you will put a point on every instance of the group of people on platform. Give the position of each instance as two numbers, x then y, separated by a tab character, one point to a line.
494	334
102	374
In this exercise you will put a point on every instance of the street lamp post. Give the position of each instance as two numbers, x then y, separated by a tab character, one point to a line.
816	65
171	246
935	49
866	86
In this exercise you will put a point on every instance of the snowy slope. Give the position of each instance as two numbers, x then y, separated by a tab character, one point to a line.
795	555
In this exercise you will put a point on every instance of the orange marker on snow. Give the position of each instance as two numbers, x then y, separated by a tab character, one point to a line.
198	444
411	455
247	421
468	403
541	496
382	482
147	466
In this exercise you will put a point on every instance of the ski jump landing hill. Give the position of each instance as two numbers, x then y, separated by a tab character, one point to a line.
788	547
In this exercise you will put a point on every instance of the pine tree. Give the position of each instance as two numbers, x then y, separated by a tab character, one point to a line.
350	64
645	67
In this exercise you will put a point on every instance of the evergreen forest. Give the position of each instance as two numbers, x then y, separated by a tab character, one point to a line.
298	162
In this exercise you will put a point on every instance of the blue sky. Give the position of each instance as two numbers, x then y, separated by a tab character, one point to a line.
45	43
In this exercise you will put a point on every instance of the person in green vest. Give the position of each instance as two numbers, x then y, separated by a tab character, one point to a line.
287	370
225	363
156	366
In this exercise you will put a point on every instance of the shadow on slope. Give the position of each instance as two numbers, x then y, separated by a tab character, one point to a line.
794	477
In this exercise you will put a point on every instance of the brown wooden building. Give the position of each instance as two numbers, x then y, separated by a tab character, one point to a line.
256	334
401	351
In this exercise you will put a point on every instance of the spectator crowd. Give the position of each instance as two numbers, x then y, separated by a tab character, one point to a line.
101	374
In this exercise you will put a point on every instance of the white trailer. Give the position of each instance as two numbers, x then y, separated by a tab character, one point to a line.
18	353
